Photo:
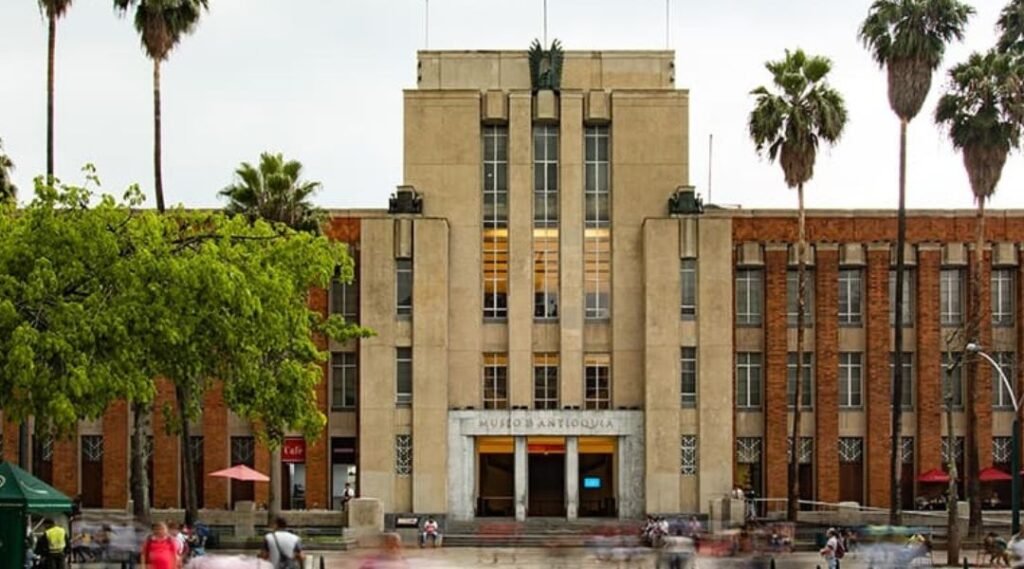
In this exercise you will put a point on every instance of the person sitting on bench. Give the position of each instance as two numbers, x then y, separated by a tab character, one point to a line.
431	532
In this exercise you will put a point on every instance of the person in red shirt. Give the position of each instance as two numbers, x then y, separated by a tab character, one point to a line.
160	550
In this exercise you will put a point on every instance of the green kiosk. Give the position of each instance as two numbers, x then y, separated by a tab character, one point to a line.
21	495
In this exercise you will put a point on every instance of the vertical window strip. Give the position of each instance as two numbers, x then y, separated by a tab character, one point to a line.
1002	297
597	377
495	221
807	383
1001	396
344	380
688	280
403	376
688	379
907	392
545	221
597	224
850	297
495	381
403	286
908	298
749	297
793	297
951	297
748	380
545	381
850	380
956	389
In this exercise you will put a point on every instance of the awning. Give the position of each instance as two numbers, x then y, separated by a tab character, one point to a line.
992	474
19	489
935	475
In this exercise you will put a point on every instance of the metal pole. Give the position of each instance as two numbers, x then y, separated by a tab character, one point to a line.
1015	466
23	445
545	23
426	25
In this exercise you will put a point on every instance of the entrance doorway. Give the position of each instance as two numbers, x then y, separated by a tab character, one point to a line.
597	477
496	493
546	486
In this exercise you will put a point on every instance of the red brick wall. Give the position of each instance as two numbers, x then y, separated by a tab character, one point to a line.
10	441
65	464
261	493
860	229
879	398
166	459
826	404
928	362
775	403
115	456
215	447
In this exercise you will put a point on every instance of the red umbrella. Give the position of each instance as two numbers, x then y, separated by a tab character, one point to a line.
934	475
241	472
992	474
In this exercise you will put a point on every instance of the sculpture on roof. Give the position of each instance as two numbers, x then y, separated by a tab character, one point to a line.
546	66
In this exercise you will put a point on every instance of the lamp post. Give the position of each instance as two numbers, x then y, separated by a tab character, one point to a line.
974	348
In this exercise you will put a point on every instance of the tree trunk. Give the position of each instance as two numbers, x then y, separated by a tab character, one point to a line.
793	504
972	462
139	477
158	174
895	457
52	48
952	518
274	493
188	466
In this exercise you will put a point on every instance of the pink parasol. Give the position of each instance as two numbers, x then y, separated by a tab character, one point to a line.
992	474
934	475
241	472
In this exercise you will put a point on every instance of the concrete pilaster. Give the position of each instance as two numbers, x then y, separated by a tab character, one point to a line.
520	263
521	477
572	477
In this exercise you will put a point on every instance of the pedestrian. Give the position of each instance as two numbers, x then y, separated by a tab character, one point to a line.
281	547
160	550
833	549
346	495
52	547
431	532
180	539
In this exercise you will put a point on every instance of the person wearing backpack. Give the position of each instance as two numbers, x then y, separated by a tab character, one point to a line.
281	547
833	550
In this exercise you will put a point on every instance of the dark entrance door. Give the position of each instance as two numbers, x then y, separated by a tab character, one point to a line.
597	486
92	471
497	486
546	487
806	477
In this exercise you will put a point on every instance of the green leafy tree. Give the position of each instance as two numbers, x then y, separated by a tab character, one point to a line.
8	191
908	38
790	117
54	10
275	191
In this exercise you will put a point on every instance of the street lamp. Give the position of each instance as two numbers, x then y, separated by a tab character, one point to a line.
974	348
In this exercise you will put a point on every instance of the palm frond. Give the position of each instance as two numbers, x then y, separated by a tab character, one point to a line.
274	191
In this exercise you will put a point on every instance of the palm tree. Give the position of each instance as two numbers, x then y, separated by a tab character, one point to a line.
908	38
54	10
1011	27
8	191
161	25
981	110
788	121
274	191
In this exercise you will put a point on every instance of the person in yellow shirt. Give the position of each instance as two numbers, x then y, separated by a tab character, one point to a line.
52	546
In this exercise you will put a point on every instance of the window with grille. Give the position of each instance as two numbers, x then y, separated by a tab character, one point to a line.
688	278
403	376
806	455
851	449
495	222
952	383
907	380
748	450
345	297
688	445
908	305
958	449
851	382
1002	297
545	381
1002	450
1002	397
197	448
748	380
749	297
951	295
545	221
495	381
597	377
851	310
793	297
43	444
688	379
243	451
596	224
907	450
92	448
344	380
403	455
806	383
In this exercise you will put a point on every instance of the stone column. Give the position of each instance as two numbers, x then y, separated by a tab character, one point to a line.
572	477
521	477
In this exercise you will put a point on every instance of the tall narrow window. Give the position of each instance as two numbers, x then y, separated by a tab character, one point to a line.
951	294
344	379
597	375
748	380
495	221
1002	297
495	381
749	297
908	300
851	385
688	278
793	297
403	455
597	243
806	384
851	311
545	381
345	298
403	280
545	221
1001	396
688	379
403	376
907	393
952	387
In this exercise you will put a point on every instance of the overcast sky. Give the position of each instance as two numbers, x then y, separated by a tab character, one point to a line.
322	80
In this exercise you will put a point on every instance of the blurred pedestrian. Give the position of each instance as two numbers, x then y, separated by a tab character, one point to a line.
160	550
281	547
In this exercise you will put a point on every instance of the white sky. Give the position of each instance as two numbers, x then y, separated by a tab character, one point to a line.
322	80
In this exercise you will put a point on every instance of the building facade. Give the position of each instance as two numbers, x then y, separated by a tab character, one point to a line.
560	333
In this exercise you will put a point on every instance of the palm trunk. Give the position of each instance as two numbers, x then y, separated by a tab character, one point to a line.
897	364
274	492
51	56
139	476
972	463
953	516
158	174
188	466
793	508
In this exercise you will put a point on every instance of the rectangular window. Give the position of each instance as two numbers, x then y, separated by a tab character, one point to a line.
495	221
907	394
1002	450
597	225
793	297
344	380
688	380
403	455
958	451
807	383
597	375
545	221
345	298
495	381
688	446
956	388
403	281
403	376
688	278
851	308
749	296
851	382
545	381
951	295
908	305
748	380
545	273
1002	297
1001	396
